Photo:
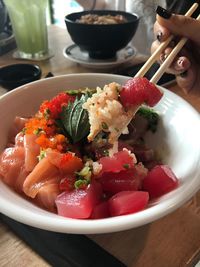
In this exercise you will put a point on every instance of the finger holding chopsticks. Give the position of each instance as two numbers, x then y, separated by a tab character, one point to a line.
188	62
164	44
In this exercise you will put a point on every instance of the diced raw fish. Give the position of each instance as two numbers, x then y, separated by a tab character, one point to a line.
20	179
54	157
42	172
151	164
10	145
19	122
118	161
17	126
113	183
32	151
67	163
79	203
139	90
128	179
54	180
19	139
11	161
46	196
126	202
100	211
159	181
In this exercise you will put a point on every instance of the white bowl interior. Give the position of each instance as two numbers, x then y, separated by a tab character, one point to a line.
177	141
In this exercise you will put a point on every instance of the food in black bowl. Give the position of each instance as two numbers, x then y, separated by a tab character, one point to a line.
12	76
101	32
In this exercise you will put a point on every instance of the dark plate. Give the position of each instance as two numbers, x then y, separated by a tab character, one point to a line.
15	75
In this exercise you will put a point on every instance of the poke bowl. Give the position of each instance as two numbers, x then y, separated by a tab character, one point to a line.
176	141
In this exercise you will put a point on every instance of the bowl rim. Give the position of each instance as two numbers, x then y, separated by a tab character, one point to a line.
135	17
107	225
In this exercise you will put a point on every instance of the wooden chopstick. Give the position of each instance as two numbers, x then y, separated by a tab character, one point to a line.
163	45
168	61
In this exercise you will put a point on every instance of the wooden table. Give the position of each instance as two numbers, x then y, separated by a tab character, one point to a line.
173	241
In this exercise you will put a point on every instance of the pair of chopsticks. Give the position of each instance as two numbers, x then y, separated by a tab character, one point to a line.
156	77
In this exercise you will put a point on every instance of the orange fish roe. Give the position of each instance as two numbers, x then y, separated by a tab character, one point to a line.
36	125
57	142
70	163
54	107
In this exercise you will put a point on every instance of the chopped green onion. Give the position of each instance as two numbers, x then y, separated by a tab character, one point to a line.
126	166
24	130
46	113
37	131
106	153
42	155
81	183
84	171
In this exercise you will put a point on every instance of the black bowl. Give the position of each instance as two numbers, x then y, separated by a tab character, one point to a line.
15	75
102	40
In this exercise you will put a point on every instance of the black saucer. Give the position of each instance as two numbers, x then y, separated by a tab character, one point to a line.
15	75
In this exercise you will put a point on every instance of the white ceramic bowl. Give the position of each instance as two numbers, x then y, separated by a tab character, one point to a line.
177	139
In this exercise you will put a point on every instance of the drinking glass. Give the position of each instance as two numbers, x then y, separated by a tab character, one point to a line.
28	19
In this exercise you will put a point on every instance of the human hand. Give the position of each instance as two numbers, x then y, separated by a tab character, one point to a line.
186	65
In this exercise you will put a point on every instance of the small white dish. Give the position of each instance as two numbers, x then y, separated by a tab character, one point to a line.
75	54
177	139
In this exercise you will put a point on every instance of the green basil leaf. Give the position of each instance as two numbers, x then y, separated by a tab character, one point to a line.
75	119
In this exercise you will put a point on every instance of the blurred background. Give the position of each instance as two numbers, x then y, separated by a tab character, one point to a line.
58	9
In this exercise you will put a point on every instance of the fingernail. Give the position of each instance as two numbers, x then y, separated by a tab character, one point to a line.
165	56
162	58
159	36
180	63
163	12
